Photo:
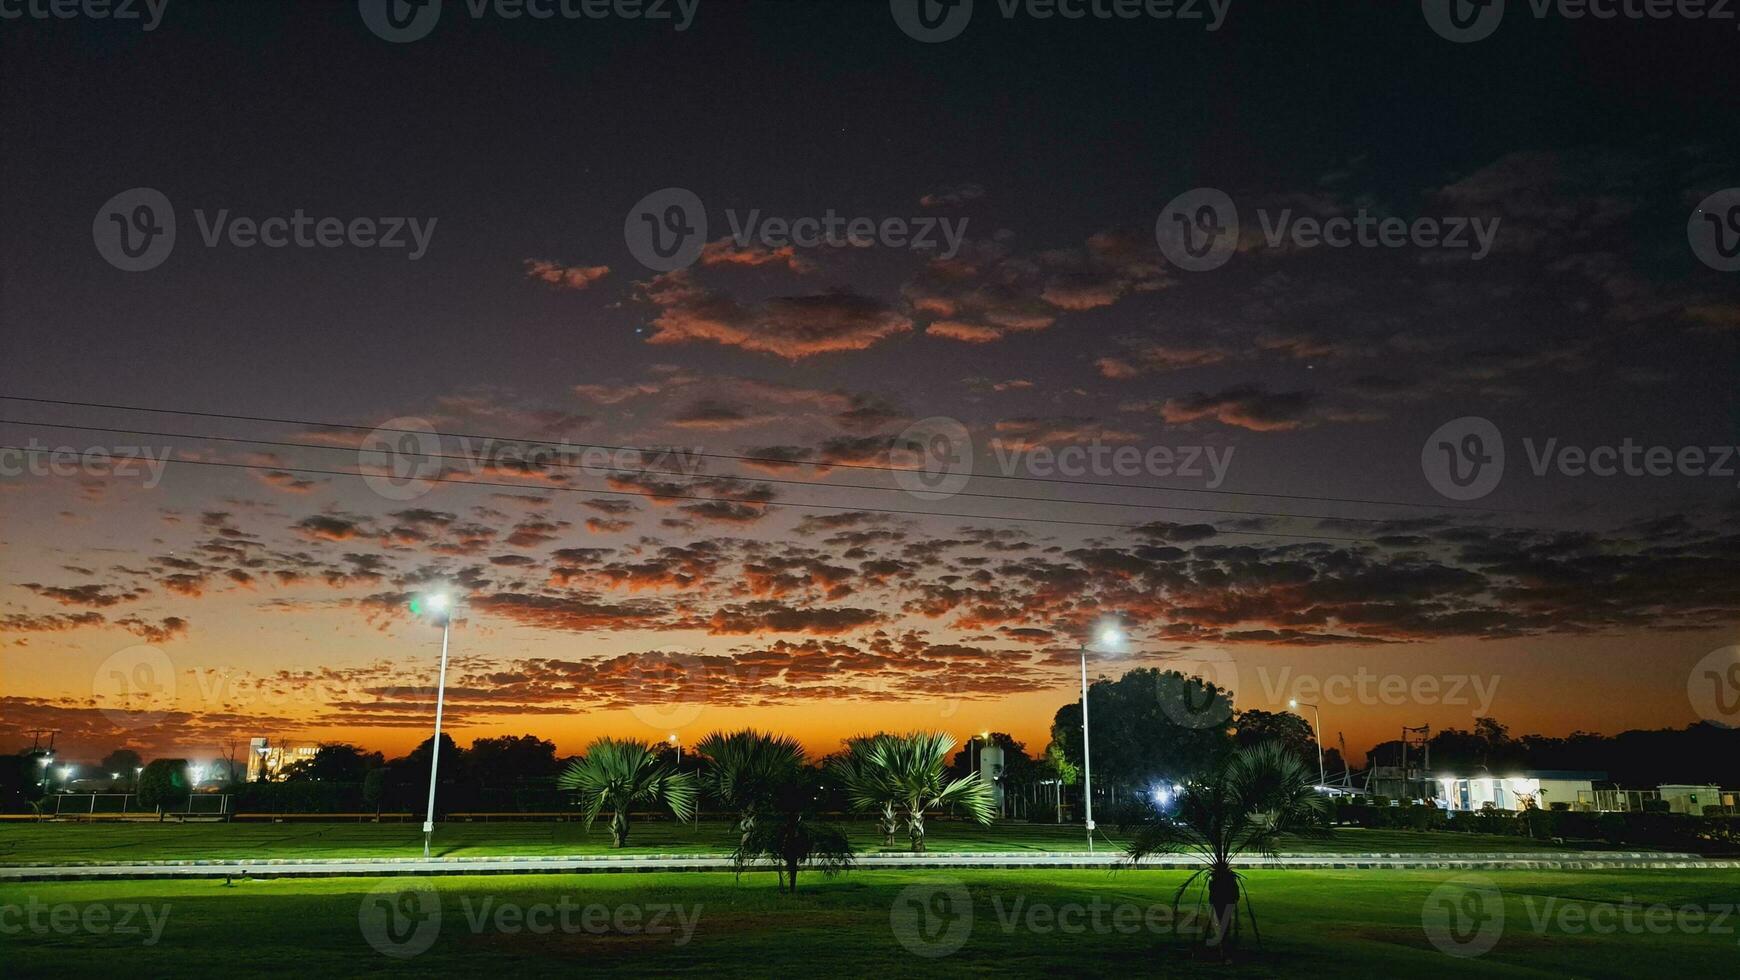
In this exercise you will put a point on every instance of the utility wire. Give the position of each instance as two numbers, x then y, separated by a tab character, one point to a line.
644	472
767	460
659	496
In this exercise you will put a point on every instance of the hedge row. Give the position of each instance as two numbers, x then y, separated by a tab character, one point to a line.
1679	830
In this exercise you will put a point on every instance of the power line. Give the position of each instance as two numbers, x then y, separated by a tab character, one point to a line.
687	476
768	460
705	499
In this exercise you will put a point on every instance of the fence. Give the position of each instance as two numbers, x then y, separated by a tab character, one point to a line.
126	805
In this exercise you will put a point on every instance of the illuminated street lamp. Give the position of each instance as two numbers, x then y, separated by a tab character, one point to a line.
439	605
1109	637
679	747
1295	703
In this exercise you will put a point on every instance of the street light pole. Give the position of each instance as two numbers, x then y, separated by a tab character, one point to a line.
1087	764
1317	720
440	604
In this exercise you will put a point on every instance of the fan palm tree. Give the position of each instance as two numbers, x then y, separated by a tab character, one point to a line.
746	768
621	773
906	774
1250	801
868	789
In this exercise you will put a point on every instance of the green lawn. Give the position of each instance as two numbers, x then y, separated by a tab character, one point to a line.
103	842
1315	923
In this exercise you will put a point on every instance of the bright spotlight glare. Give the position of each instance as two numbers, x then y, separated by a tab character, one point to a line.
438	602
1109	636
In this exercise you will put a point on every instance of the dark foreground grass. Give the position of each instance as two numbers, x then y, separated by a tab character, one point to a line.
99	842
1022	923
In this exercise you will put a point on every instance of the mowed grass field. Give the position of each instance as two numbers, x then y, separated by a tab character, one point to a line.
96	843
1018	924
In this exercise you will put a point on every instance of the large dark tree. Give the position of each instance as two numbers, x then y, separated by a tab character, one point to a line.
1149	726
510	758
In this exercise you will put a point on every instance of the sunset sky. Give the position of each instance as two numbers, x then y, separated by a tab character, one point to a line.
269	596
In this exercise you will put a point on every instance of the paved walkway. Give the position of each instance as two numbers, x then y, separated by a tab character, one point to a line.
607	864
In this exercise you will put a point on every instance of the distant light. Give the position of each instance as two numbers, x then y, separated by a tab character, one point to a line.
438	602
1110	636
673	738
66	772
114	775
1293	702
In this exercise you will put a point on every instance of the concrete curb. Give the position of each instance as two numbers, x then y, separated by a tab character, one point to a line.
640	864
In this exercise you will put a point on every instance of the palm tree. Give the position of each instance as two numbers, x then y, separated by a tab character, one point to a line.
1251	800
861	771
622	773
907	772
747	767
790	835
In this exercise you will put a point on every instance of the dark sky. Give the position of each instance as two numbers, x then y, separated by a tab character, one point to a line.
1059	323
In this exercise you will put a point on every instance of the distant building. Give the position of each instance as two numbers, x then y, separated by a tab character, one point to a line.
267	762
1537	787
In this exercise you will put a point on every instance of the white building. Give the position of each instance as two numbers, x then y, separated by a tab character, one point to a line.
1516	791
